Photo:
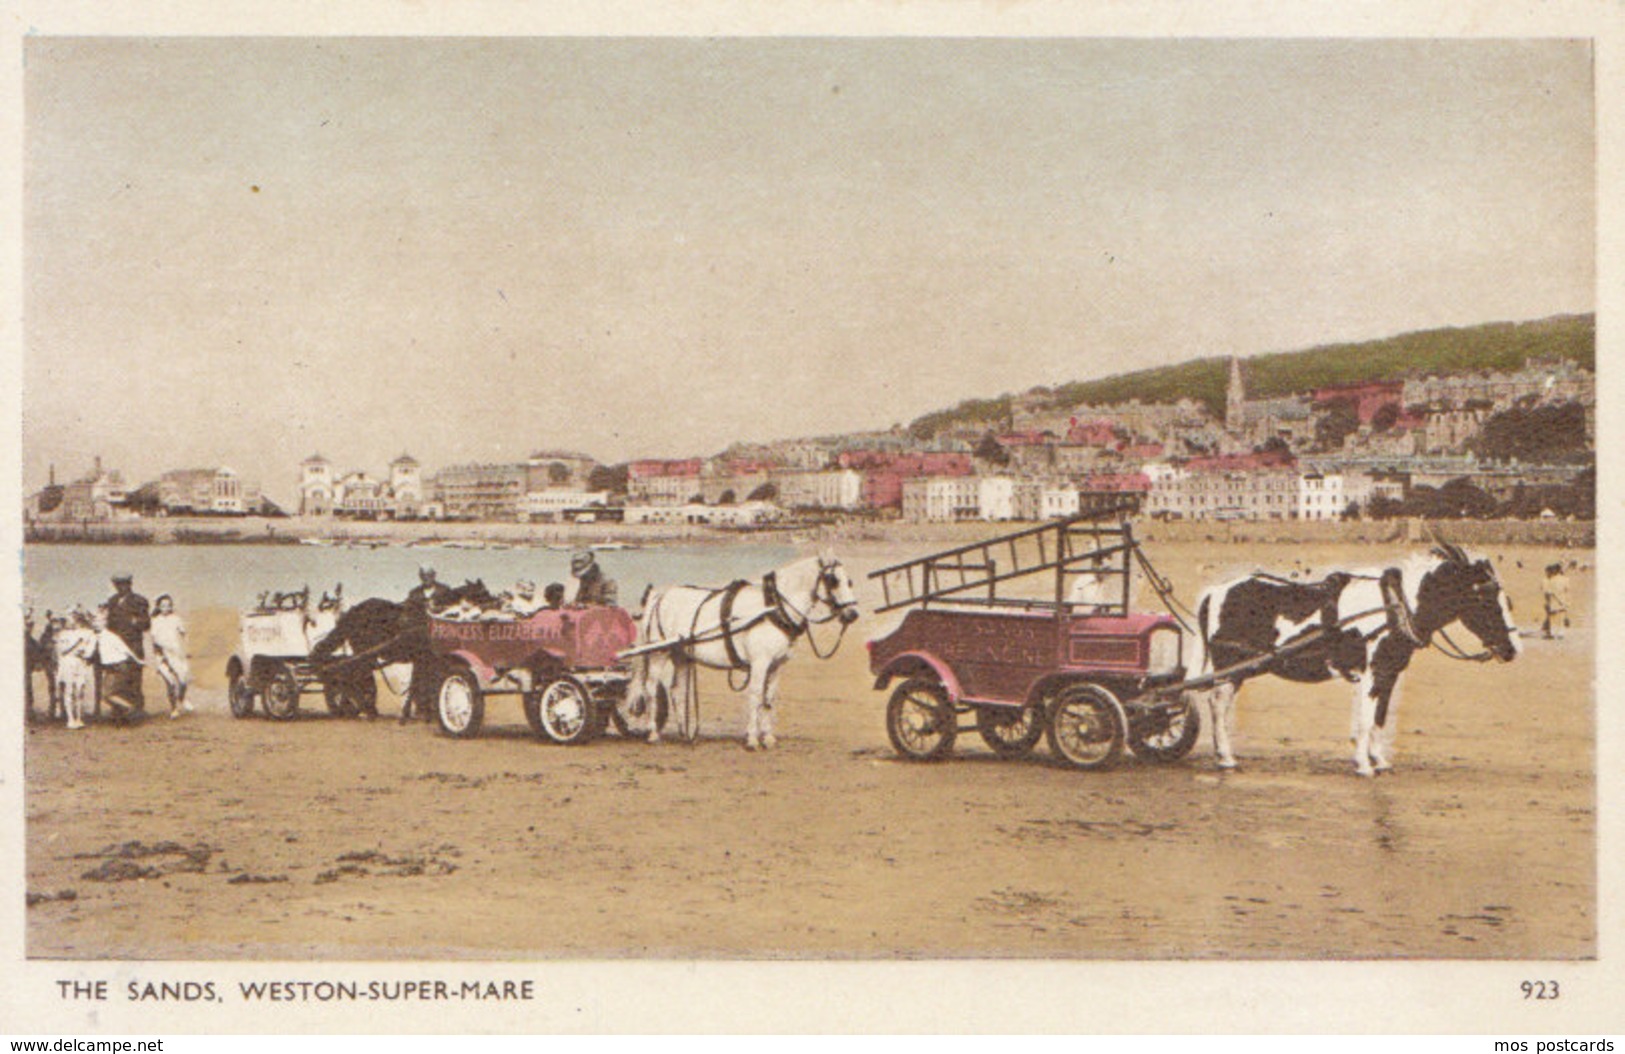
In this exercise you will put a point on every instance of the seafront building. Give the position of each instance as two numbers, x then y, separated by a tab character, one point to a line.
357	495
98	495
207	491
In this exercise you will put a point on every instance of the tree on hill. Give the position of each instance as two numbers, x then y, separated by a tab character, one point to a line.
1339	421
1539	433
1497	346
991	451
608	477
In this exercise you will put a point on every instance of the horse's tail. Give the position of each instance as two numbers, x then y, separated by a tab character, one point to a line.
638	688
1204	634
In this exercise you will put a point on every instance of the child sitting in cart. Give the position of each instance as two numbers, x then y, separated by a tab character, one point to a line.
522	601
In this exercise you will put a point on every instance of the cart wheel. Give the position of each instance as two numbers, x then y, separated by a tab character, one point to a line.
566	713
282	692
1087	727
352	697
239	694
459	703
1010	732
1166	737
920	720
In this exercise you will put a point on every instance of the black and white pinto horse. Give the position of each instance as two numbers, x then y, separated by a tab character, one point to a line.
749	626
1362	626
394	637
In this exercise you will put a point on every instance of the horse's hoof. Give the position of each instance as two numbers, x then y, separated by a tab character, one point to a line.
769	742
1227	764
1365	771
750	744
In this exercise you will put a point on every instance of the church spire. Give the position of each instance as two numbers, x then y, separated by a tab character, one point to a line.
1235	400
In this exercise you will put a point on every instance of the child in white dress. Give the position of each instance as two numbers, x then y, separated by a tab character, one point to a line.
169	647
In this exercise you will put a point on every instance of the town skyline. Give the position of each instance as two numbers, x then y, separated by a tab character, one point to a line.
1030	412
242	251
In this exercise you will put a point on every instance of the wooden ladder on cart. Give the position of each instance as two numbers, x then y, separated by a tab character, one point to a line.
1074	545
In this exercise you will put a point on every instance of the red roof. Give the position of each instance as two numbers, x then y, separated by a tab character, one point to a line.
1092	433
1118	482
651	467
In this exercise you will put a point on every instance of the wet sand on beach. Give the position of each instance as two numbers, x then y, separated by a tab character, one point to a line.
211	837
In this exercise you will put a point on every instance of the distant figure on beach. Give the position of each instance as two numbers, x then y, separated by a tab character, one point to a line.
128	618
592	588
75	647
120	668
1555	597
169	654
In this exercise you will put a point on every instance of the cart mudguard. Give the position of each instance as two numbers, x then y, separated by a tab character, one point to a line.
910	662
486	674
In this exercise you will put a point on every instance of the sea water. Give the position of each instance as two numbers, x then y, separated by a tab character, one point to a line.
56	577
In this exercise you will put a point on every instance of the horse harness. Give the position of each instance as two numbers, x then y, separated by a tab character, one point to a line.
776	612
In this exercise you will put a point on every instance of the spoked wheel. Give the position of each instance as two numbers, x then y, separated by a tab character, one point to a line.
352	697
239	694
1087	727
565	712
459	704
920	720
282	692
1168	735
1011	732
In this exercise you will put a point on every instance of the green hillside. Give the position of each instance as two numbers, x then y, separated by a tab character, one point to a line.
1496	346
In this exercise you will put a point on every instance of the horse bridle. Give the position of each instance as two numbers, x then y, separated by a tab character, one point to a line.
798	621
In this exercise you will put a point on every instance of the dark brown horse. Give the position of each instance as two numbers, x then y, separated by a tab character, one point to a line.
381	633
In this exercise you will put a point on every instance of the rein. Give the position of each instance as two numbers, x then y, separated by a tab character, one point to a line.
1456	651
785	610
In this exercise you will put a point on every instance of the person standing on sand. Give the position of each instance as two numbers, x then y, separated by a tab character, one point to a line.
75	647
120	669
169	653
1555	597
128	619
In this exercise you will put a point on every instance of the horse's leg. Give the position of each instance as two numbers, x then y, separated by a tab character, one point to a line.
755	703
1382	736
1387	662
1365	718
1221	700
770	703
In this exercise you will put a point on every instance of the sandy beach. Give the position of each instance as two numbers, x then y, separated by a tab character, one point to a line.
211	837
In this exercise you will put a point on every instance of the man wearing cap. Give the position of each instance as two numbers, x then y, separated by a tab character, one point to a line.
128	618
592	588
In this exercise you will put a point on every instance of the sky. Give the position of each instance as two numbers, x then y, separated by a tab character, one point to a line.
241	251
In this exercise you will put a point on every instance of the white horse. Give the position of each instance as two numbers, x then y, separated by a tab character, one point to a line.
749	626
